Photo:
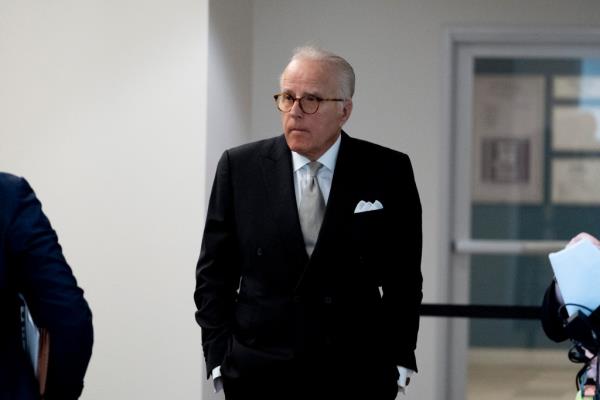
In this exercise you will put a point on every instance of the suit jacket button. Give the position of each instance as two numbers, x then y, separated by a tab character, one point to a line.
259	251
328	300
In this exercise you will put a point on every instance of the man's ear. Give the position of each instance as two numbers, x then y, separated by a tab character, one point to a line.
346	111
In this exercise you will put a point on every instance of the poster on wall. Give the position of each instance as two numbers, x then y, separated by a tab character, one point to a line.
575	181
571	87
576	128
508	138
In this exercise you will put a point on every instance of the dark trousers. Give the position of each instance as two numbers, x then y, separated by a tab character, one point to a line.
305	384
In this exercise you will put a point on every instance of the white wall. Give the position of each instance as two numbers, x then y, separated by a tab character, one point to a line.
396	48
103	109
230	77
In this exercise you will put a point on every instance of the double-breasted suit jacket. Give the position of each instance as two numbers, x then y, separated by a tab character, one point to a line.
263	302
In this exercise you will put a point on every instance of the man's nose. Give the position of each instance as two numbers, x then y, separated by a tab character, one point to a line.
296	111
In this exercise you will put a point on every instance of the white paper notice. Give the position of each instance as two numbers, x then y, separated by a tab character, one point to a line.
577	272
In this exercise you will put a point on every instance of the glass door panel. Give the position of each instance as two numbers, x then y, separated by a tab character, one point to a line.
534	178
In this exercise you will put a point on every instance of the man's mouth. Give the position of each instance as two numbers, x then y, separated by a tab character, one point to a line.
298	130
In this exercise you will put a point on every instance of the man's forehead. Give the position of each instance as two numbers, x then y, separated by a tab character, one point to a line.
308	67
310	73
293	82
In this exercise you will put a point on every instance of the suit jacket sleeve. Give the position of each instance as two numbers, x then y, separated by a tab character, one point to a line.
50	289
218	270
402	279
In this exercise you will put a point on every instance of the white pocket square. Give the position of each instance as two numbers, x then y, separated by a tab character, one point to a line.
364	206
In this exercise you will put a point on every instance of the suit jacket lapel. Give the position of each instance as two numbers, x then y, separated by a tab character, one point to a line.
339	205
281	198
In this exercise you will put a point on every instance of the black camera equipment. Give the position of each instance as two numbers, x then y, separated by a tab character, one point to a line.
584	331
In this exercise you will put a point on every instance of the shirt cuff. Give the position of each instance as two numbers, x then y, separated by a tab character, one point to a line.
404	378
217	380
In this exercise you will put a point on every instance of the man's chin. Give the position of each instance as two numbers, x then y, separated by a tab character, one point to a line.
302	150
296	144
299	149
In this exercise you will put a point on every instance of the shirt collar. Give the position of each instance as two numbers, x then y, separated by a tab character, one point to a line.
328	159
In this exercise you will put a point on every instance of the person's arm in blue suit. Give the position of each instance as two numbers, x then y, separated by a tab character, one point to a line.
46	281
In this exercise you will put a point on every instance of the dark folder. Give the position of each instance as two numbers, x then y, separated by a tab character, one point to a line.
36	343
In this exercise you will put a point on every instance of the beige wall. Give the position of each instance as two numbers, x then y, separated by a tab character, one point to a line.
103	109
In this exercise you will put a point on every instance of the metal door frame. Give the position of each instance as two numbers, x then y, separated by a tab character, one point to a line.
461	46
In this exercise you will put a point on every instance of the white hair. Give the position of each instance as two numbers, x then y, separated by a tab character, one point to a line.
343	70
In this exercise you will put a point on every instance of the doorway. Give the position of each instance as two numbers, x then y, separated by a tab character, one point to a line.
525	112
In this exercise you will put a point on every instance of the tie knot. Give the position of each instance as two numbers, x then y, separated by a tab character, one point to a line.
313	168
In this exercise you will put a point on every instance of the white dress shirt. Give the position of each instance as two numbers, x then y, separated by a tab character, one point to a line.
324	175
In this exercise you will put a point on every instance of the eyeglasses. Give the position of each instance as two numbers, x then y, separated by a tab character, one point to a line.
309	104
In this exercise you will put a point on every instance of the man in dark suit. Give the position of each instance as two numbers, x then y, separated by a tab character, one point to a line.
32	265
309	282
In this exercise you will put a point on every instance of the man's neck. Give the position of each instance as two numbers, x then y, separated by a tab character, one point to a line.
328	158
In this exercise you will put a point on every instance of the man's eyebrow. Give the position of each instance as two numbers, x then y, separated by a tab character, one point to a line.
313	94
291	92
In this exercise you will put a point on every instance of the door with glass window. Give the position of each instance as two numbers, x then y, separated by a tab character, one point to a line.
526	179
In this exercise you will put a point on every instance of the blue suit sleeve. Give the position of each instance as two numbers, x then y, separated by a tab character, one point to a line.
50	289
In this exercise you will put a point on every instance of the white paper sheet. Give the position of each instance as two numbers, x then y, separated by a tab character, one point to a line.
577	272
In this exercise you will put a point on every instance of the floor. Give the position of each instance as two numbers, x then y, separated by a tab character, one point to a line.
505	374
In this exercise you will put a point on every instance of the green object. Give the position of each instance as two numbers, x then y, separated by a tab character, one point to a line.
579	397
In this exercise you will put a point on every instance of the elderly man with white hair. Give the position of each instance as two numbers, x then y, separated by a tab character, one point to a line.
308	284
